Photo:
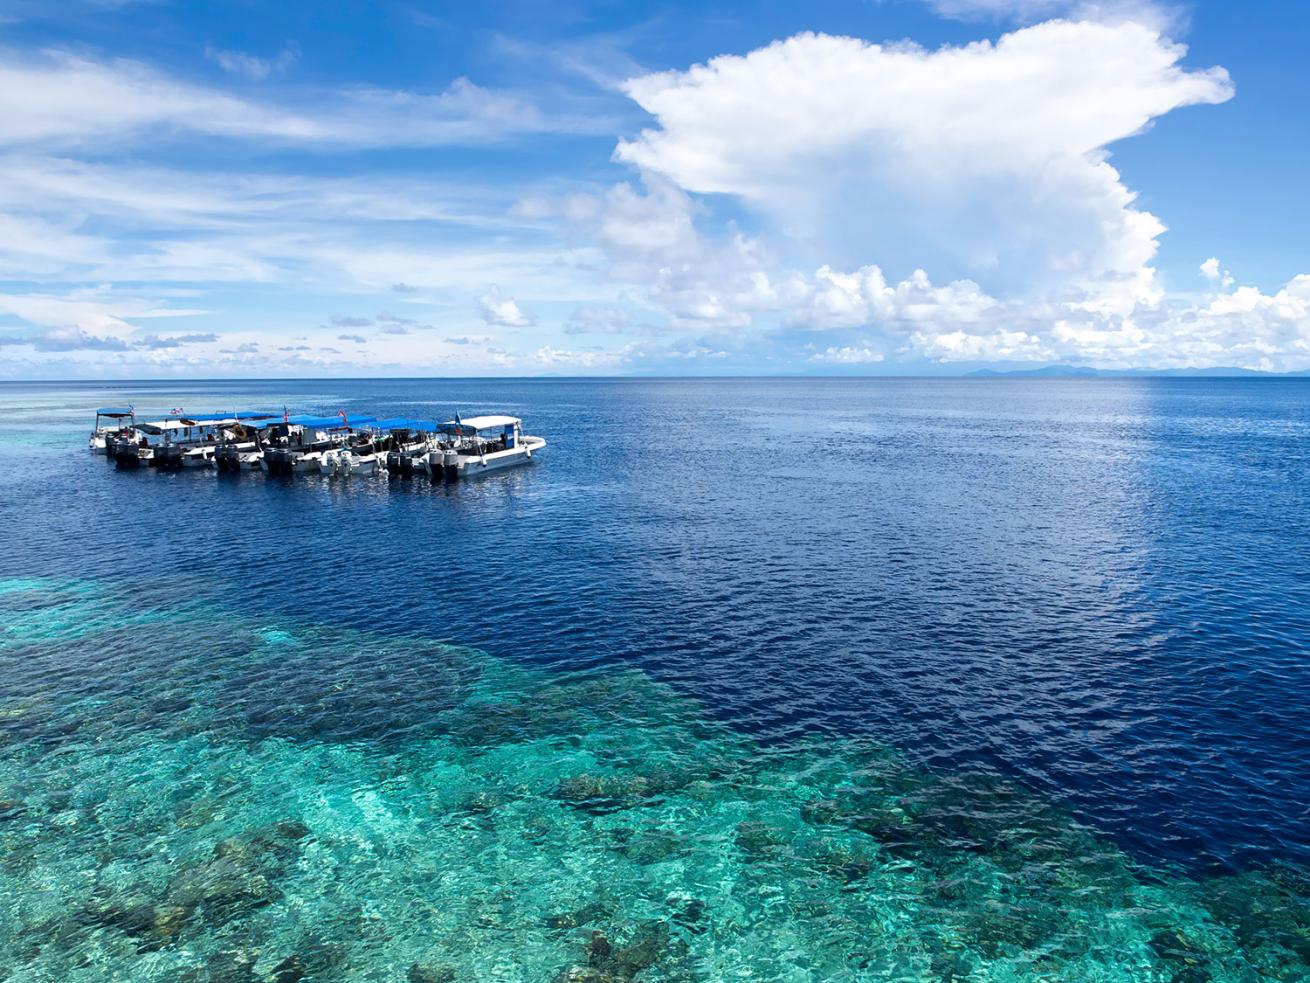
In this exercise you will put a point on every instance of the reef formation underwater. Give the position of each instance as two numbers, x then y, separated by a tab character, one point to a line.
186	797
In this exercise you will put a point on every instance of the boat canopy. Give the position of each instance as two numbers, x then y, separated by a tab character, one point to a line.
159	426
404	423
114	412
475	423
328	422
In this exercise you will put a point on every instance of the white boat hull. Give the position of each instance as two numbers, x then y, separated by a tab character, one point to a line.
473	467
336	464
438	465
307	463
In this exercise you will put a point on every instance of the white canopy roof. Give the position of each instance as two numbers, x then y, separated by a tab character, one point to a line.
486	422
162	425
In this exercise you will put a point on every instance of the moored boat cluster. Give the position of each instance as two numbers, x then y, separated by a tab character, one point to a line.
337	446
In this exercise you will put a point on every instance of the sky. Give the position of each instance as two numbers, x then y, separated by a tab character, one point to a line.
865	187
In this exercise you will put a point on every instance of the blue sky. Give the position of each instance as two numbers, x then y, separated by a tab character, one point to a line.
900	186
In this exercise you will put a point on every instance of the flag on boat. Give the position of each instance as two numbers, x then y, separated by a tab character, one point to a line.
285	417
345	421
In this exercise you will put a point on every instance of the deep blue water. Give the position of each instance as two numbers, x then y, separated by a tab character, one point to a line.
1096	590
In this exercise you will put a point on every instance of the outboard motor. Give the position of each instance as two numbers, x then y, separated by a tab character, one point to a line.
168	457
450	465
125	454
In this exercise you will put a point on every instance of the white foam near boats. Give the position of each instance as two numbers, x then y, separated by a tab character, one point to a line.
479	445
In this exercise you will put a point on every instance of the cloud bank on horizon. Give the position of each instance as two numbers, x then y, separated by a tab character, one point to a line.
820	202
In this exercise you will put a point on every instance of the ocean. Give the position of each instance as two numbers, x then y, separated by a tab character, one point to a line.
741	679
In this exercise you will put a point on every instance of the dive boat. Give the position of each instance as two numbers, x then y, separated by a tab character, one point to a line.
201	456
362	454
479	445
298	445
409	444
162	443
242	446
98	442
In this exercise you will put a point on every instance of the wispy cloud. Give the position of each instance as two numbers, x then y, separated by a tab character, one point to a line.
66	99
252	66
1159	13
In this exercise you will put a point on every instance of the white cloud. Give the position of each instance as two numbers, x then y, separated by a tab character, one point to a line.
252	66
499	310
985	161
1217	277
848	300
985	165
554	359
961	346
848	355
65	99
1244	328
599	319
649	237
87	310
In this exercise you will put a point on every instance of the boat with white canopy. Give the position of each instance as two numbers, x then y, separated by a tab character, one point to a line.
479	445
162	443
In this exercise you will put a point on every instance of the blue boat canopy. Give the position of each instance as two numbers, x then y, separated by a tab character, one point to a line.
405	423
114	411
327	422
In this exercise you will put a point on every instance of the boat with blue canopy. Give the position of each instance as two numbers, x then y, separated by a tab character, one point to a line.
299	443
409	442
205	453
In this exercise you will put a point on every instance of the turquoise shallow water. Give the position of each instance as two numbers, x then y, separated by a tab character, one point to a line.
190	793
